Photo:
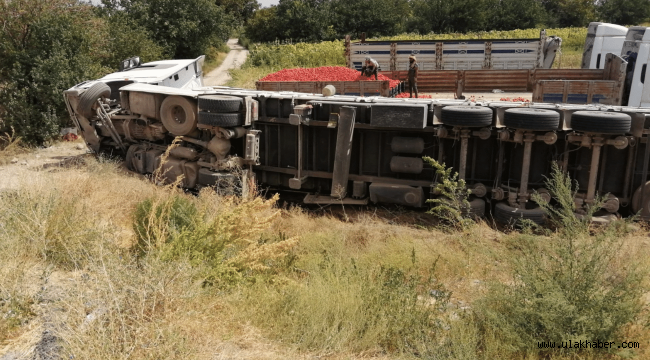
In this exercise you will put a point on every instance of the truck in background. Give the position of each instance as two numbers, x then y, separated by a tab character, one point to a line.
602	39
456	54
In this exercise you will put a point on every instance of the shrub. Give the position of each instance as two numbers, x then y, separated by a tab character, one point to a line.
564	287
451	205
562	210
223	234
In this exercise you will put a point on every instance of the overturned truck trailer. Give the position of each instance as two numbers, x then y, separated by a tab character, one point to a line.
356	150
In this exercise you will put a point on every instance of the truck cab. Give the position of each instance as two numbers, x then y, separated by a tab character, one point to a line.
602	38
638	56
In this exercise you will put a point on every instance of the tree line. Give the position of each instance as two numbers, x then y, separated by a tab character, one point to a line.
315	20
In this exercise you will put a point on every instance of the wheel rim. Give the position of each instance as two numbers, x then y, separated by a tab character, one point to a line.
178	114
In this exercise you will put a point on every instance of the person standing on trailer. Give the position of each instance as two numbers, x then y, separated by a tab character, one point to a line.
370	67
413	76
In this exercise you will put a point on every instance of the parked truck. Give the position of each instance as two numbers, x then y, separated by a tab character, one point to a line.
359	150
457	54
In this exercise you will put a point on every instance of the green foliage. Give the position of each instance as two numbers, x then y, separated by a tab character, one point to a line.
435	16
562	211
185	28
241	10
326	53
374	17
315	20
162	221
262	25
515	14
451	206
223	240
572	38
564	287
563	13
624	12
45	47
125	38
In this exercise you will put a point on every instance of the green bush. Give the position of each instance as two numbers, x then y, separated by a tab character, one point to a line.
45	48
564	287
222	236
451	205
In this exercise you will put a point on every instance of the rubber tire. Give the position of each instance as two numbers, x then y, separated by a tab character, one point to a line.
221	120
532	119
128	159
637	204
168	115
467	116
475	210
220	103
509	215
89	98
601	122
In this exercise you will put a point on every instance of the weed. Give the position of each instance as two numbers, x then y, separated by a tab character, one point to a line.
562	210
452	205
564	286
223	238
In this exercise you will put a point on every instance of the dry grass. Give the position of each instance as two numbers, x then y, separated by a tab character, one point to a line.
214	61
247	76
66	265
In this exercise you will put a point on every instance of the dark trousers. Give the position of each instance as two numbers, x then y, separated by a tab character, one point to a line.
413	87
367	71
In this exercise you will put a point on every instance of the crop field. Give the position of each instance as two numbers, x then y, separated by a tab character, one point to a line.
268	58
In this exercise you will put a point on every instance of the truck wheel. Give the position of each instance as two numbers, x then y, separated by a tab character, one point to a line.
128	159
220	103
178	115
640	202
475	210
88	99
532	119
601	122
467	116
221	120
509	215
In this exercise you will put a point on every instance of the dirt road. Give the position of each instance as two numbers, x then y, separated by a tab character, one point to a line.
235	59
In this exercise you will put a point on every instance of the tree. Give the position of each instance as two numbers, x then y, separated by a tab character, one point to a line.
185	28
448	16
374	17
565	13
514	14
303	20
241	10
624	12
124	38
46	46
262	27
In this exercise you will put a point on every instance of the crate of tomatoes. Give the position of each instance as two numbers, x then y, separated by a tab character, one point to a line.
346	81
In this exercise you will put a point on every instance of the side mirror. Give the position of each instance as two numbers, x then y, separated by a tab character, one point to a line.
130	63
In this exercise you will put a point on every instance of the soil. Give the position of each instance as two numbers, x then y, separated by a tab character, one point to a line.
16	168
235	59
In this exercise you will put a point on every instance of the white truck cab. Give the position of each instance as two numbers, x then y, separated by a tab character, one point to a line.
638	56
180	74
602	38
